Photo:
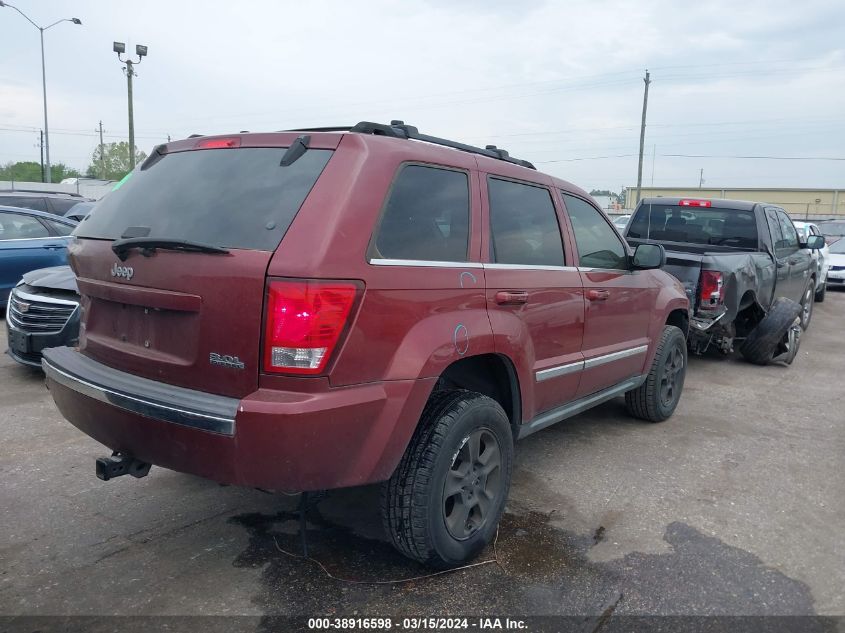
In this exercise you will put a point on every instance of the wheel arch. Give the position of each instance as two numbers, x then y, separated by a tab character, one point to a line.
493	375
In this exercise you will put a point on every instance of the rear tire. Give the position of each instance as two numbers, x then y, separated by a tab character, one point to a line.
443	503
772	335
820	292
656	399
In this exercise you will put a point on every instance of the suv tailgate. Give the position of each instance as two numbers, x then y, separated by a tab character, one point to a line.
191	319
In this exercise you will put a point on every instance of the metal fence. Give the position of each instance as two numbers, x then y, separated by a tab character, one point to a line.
95	189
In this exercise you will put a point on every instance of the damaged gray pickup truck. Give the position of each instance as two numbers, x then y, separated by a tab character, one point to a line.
748	277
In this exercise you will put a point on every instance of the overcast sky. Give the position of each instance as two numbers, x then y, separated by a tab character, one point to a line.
557	83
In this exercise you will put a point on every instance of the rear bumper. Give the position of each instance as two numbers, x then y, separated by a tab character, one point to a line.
270	439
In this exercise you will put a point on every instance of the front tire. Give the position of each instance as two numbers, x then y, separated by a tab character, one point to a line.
443	503
656	399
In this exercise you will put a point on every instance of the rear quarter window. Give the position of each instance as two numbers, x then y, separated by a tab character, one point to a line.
426	216
234	198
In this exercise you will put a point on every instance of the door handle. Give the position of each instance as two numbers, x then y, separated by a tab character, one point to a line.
511	297
598	295
52	247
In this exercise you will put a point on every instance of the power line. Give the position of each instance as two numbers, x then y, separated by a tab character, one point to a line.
756	157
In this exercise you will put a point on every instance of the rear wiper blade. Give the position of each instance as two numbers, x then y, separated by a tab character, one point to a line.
122	247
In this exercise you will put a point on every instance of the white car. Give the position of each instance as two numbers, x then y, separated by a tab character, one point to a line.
621	221
836	273
820	256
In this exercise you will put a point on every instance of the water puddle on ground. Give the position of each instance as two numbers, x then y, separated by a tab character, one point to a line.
540	569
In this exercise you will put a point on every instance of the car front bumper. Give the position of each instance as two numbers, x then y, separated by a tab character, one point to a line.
26	347
280	440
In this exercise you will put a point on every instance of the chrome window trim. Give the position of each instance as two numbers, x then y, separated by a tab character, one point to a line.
419	263
609	358
570	368
496	266
587	269
30	239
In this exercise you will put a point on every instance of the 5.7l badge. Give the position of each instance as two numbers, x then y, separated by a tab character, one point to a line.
224	360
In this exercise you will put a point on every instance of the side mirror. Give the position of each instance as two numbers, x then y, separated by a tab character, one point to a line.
815	242
647	256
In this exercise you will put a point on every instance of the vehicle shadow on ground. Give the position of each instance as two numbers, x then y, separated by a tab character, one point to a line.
536	568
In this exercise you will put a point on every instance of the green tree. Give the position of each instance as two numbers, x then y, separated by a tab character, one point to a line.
601	192
30	171
116	161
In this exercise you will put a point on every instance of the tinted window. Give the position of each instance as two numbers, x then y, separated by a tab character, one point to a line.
523	225
598	244
20	227
426	216
774	228
695	225
62	205
790	235
24	202
58	227
237	198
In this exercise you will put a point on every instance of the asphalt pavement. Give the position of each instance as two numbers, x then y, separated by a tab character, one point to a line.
734	506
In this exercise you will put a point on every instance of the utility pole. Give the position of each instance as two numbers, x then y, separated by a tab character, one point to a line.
653	155
102	154
41	145
129	70
700	177
647	81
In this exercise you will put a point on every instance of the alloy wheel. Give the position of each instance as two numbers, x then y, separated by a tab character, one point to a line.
670	381
473	484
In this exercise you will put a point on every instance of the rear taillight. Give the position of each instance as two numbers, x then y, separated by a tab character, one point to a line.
712	289
304	322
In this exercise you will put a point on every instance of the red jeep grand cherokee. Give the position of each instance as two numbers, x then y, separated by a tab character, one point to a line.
317	309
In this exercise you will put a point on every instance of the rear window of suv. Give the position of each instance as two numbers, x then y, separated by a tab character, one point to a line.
234	198
695	225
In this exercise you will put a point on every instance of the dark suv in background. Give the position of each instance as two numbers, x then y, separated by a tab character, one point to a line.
51	202
316	309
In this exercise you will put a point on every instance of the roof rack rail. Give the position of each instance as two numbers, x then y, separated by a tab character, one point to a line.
398	129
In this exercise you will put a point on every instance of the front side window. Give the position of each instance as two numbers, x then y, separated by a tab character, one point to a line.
523	225
598	244
426	216
790	235
20	227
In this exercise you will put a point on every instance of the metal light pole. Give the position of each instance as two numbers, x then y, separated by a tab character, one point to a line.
129	70
41	29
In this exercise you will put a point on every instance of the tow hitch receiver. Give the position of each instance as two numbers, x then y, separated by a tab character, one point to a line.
118	465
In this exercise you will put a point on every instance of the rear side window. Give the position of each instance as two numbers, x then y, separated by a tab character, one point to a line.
20	227
235	198
59	228
523	225
598	244
24	202
61	206
426	216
